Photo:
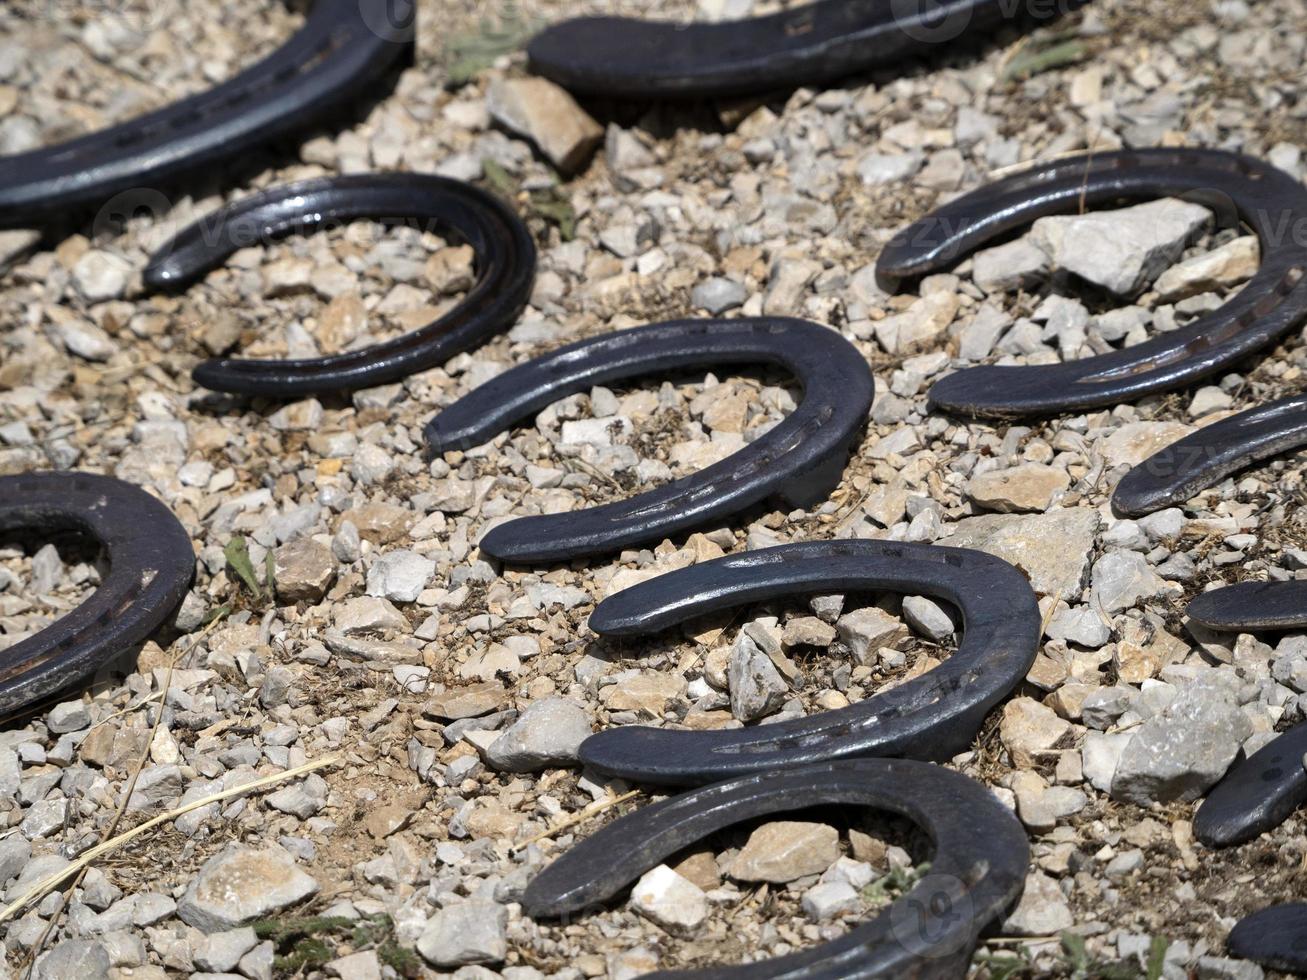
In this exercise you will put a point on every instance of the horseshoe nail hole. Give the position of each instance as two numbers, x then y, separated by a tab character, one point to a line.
138	64
42	579
786	659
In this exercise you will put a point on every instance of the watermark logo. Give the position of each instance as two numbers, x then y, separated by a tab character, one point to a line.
931	21
390	20
135	204
933	920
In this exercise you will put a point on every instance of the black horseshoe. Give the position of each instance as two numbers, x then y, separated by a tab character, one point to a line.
933	716
1172	475
1275	937
1273	302
1247	607
151	564
801	459
505	261
1256	797
1258	794
977	871
342	46
818	42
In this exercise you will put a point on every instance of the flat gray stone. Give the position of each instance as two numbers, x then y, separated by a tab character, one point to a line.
400	576
928	618
1121	578
1011	265
241	884
1184	750
469	932
221	951
548	733
1052	548
75	959
1122	250
718	294
756	686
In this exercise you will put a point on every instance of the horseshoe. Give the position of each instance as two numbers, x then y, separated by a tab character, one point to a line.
1275	937
1247	607
801	459
1258	794
151	564
977	871
343	45
1256	797
815	43
1172	475
1272	303
505	260
933	716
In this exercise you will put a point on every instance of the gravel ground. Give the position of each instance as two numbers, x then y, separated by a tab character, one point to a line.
386	643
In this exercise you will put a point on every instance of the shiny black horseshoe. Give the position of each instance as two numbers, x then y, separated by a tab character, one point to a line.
1172	475
342	46
1247	607
1258	795
977	871
1273	302
624	57
933	716
801	459
505	262
1275	937
151	564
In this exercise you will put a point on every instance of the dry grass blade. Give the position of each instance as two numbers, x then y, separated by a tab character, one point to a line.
47	885
594	809
30	961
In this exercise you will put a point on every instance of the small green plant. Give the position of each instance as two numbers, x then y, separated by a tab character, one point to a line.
549	204
1081	965
1057	51
469	53
216	613
285	930
888	887
1007	966
307	943
237	554
1156	958
309	953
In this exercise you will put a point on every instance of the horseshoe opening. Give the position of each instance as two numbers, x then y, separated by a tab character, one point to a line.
931	716
977	869
1269	202
801	459
504	261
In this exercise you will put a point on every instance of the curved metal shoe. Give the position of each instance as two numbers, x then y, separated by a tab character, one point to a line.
505	265
151	564
977	870
818	42
1272	303
1275	937
1247	607
343	45
801	459
933	716
1258	794
1172	475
